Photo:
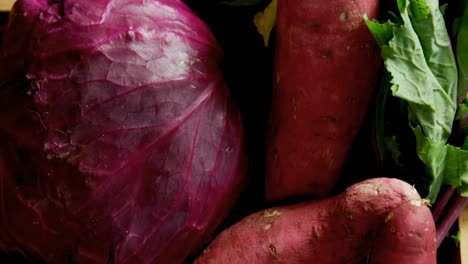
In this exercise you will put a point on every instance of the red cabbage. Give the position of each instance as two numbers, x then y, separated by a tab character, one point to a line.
118	140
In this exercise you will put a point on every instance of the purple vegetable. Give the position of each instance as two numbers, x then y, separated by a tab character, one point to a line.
118	141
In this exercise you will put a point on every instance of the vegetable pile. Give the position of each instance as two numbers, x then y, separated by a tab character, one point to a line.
137	131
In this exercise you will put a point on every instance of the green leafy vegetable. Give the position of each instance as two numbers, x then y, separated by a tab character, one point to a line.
462	53
379	137
462	121
417	53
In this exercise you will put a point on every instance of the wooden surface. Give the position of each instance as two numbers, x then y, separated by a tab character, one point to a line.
5	5
463	224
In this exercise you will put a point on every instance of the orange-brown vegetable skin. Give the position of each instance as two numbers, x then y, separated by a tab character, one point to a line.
340	229
407	237
326	67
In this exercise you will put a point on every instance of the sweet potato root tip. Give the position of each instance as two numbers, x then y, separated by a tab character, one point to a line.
407	236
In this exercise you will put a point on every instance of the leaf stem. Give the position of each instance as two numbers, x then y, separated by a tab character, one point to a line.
442	201
449	219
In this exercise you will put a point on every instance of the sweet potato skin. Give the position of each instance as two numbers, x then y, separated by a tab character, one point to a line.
339	229
326	68
407	237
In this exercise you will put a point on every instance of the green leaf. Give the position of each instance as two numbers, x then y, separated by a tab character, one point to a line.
446	160
465	143
418	55
382	33
381	103
462	117
265	21
454	158
456	26
397	19
420	59
433	155
456	238
462	55
442	8
463	170
392	145
462	110
464	6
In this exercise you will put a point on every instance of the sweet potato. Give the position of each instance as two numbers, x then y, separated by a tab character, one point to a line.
407	237
326	68
340	229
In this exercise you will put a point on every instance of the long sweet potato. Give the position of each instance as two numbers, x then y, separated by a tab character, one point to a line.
407	237
339	229
326	66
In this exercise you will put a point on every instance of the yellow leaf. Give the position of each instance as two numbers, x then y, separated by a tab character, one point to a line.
5	5
265	21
